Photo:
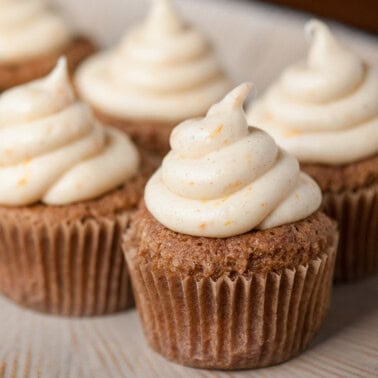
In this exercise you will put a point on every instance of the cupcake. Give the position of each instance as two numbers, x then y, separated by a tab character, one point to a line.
67	189
160	74
324	110
230	259
32	38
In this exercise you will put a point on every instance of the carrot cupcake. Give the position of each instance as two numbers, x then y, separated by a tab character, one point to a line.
161	73
67	189
32	38
230	259
324	110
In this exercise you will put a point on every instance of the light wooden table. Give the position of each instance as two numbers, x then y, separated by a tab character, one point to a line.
34	345
255	42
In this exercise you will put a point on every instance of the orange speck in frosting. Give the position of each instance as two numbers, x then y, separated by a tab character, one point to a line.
297	196
268	116
291	133
229	222
236	185
191	183
226	141
23	180
26	161
216	131
8	151
30	117
203	200
221	200
263	204
202	226
232	188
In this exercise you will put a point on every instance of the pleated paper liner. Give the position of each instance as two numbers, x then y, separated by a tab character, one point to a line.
74	269
233	323
357	215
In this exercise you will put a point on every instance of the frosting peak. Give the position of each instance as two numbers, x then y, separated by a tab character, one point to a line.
329	71
162	19
163	70
322	42
234	100
223	178
323	109
34	100
52	149
224	124
28	28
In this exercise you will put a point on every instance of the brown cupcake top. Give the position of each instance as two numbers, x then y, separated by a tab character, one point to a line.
336	178
149	135
271	250
12	74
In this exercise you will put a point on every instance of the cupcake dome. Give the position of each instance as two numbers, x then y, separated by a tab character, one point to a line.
323	109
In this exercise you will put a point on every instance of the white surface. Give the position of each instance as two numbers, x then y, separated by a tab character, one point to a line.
34	345
255	41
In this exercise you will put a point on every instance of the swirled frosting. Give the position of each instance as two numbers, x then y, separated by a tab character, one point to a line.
28	29
324	109
51	148
223	178
162	70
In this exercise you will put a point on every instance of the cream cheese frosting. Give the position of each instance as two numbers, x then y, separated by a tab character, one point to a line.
28	28
323	109
223	178
162	70
53	150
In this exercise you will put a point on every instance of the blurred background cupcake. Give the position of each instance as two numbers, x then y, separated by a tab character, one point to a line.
324	110
162	72
32	38
68	188
231	245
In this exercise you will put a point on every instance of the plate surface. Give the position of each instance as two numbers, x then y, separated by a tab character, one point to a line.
255	41
34	345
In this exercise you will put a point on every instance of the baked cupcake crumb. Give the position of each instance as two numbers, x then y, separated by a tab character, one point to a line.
12	74
335	178
276	249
